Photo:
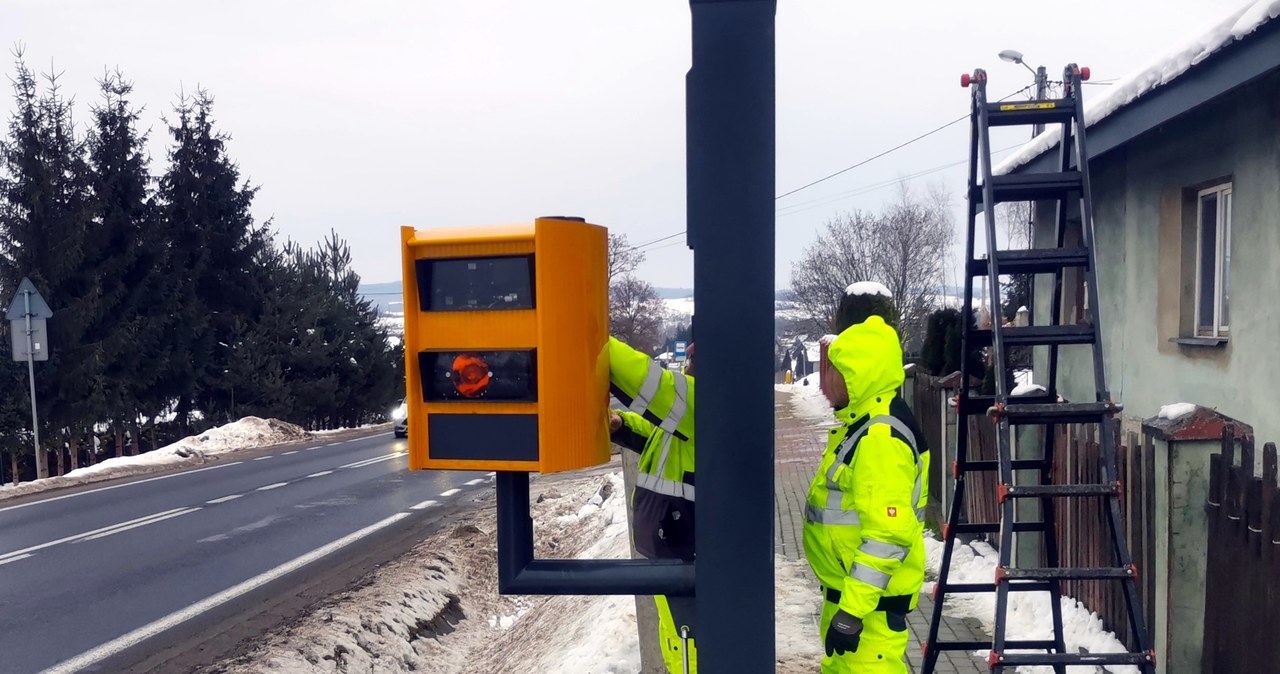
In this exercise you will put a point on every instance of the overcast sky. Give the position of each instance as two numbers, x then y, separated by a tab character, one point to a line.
365	116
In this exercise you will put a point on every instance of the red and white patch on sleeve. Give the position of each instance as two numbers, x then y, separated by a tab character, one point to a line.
893	512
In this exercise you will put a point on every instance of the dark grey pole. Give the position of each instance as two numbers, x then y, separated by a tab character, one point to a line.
730	155
31	376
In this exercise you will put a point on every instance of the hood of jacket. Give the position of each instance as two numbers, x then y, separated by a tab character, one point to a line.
868	356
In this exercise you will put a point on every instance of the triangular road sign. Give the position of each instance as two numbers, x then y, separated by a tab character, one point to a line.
18	308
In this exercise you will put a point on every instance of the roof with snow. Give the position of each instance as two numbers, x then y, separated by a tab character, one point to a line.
1241	47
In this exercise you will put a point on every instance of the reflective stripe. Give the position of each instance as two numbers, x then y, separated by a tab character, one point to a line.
870	576
883	550
662	455
850	443
915	493
678	407
658	485
817	515
647	390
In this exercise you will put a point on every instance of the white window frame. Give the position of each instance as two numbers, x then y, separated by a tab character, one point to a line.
1222	257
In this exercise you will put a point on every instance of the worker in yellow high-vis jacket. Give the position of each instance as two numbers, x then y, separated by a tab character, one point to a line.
658	424
864	516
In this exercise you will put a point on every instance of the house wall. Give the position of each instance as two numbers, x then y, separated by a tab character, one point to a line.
1146	270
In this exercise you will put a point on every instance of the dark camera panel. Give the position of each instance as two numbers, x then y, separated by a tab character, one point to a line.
476	284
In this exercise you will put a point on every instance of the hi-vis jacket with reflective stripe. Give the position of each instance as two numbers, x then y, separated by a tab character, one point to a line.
659	425
864	530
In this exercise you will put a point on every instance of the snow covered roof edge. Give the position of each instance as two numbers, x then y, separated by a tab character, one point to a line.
1236	25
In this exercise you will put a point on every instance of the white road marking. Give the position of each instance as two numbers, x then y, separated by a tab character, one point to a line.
424	505
263	458
224	499
451	492
140	524
472	483
13	559
272	486
370	462
321	473
117	486
288	453
145	632
332	444
68	539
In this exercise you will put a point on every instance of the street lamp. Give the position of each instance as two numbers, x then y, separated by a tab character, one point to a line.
1042	79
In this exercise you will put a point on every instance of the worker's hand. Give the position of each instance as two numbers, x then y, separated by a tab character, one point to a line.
843	634
615	421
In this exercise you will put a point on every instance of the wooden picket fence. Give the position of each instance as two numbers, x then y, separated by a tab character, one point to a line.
1242	593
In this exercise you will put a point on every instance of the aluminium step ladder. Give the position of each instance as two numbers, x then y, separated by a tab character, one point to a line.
1070	182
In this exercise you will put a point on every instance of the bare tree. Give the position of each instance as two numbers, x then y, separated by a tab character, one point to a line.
906	247
623	257
1015	217
637	315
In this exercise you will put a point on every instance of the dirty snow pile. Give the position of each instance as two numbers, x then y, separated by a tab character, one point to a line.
1030	613
1237	24
247	433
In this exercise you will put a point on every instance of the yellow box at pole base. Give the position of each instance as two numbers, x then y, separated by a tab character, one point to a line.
506	346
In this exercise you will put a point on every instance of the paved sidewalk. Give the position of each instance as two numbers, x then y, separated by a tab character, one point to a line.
798	448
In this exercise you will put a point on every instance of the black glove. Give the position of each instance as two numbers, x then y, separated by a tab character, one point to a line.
843	634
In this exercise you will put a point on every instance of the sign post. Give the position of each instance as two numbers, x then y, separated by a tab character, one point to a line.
27	314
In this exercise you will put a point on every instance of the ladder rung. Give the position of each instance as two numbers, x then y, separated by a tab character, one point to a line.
992	464
1030	186
1032	659
976	588
994	527
1033	261
1058	111
1078	573
1037	335
1058	413
1061	490
981	404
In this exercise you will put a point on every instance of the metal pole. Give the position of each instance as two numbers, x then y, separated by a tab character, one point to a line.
730	172
31	376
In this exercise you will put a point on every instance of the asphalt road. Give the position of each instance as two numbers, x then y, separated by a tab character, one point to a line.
170	572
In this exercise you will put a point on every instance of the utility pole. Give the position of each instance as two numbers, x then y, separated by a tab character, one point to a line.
730	141
1042	88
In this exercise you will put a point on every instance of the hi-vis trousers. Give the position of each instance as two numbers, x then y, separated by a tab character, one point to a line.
676	617
881	650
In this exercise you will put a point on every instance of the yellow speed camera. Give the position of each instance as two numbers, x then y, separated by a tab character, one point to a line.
506	334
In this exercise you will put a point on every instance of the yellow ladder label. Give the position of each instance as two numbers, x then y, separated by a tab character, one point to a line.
1039	105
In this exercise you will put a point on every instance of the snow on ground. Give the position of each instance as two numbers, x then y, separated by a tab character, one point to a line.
247	433
1235	25
335	431
1030	614
808	402
437	609
679	307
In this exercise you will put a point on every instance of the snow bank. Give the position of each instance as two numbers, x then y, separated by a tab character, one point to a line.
1176	410
247	433
437	609
1030	613
807	401
1235	25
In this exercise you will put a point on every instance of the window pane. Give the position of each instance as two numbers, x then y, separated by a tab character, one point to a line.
1226	259
1208	259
